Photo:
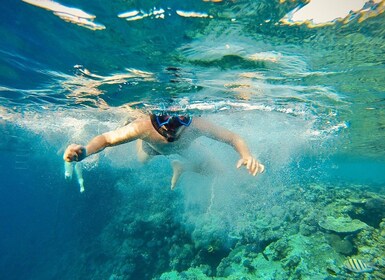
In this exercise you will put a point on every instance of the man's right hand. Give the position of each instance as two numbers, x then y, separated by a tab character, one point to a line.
75	152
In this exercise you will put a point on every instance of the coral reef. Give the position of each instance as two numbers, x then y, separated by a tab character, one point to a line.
307	234
342	224
296	232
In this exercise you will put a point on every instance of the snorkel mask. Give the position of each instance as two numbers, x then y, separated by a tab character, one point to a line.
173	121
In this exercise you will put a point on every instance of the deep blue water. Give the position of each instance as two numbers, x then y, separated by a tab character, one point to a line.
309	102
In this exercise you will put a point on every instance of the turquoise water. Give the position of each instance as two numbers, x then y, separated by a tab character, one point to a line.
309	101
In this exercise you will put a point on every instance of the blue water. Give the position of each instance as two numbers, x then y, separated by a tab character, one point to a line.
309	102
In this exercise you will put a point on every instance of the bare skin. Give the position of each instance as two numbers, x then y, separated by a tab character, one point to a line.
152	143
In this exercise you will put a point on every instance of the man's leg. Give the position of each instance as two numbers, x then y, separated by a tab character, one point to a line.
177	169
197	166
204	161
144	151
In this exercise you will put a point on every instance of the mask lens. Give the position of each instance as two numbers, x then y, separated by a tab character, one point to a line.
184	120
163	120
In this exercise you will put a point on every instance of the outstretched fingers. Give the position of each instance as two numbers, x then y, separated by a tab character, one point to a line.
261	168
252	165
255	168
240	163
249	164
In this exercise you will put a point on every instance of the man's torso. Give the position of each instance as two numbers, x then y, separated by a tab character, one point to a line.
186	135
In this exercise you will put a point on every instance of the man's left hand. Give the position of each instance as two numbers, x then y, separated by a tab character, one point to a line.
252	165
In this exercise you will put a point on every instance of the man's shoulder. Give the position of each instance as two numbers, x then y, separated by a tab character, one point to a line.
138	126
201	123
141	122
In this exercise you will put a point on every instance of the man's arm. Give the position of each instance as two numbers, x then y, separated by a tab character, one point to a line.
128	133
224	135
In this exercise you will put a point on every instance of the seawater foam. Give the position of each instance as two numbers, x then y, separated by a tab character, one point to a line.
276	138
57	129
275	135
218	200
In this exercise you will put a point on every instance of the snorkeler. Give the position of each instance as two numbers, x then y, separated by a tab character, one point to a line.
165	135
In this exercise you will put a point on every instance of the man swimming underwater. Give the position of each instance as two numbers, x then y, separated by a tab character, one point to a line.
164	135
